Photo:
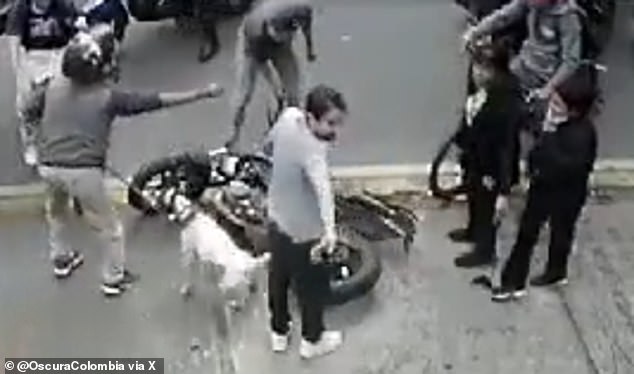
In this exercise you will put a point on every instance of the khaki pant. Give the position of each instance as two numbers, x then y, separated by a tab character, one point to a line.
281	72
88	186
33	67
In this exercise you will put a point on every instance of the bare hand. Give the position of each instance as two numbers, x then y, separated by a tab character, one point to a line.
467	39
326	246
542	93
501	208
214	90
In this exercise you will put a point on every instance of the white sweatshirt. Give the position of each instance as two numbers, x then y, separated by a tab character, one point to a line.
300	193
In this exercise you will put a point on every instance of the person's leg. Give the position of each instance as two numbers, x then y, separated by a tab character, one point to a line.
209	43
312	286
484	230
279	282
466	235
247	68
287	66
121	20
89	188
565	214
64	259
24	110
517	266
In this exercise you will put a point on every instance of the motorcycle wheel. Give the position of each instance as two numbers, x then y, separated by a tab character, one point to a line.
446	175
356	273
352	274
188	172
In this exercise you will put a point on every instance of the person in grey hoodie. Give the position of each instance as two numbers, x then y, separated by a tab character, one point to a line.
79	109
551	52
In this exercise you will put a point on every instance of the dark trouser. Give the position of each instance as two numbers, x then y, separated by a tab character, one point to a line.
280	70
291	262
111	11
481	214
206	16
561	206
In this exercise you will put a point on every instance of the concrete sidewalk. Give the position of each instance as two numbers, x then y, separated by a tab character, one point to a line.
423	316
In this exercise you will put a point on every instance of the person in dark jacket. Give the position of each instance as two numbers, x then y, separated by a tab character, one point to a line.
265	46
559	166
489	139
37	31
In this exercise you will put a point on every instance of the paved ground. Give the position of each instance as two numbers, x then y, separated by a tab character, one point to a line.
398	64
423	316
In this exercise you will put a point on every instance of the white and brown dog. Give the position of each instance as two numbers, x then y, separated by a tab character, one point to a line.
207	247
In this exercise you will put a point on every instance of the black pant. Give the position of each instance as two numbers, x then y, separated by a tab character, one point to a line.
481	213
561	206
291	262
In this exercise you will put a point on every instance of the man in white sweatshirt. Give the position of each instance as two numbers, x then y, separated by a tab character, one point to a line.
302	215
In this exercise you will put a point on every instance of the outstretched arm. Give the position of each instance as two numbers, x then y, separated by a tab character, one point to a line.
132	103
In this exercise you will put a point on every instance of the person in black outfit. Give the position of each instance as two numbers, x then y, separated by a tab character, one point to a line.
206	15
559	166
489	139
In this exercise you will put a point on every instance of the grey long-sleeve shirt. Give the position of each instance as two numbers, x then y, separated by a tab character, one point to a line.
300	199
552	50
77	121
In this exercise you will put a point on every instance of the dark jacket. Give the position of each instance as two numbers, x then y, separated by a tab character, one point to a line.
35	31
492	141
566	155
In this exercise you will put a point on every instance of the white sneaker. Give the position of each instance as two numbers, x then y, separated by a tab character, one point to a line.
329	342
279	343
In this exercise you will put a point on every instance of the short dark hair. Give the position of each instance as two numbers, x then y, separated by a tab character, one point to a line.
580	90
495	56
323	98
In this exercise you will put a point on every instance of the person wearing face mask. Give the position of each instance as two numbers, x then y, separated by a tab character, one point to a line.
553	47
302	218
37	30
265	45
559	168
489	140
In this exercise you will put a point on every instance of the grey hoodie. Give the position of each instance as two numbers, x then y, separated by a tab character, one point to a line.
552	50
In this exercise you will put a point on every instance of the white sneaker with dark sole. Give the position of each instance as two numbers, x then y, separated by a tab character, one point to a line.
64	265
279	343
119	287
330	341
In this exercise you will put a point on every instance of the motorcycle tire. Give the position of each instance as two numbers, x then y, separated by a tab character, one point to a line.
366	271
437	189
192	169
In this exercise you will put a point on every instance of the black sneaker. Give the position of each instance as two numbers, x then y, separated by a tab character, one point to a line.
119	287
546	279
460	236
64	265
504	294
473	259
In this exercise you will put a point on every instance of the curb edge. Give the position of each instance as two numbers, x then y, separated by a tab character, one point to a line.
381	179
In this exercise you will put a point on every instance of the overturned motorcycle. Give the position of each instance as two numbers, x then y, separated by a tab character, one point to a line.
232	187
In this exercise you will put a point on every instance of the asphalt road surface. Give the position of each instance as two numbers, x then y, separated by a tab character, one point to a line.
422	317
397	62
